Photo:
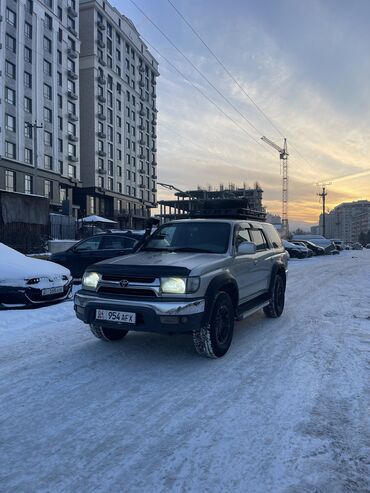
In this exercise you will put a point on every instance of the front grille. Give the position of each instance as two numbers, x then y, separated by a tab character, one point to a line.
117	278
127	292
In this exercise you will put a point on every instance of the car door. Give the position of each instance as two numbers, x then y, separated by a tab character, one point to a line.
243	267
83	255
263	260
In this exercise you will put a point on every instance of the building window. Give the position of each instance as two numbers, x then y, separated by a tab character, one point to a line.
9	180
28	184
62	194
10	69
48	21
28	30
48	189
10	150
10	43
47	44
71	150
110	183
27	79
29	6
10	123
48	115
71	171
27	54
48	162
11	17
48	137
60	14
60	164
47	91
27	104
28	156
9	95
100	182
47	68
27	130
60	78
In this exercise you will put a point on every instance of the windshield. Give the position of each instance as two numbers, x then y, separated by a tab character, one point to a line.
208	237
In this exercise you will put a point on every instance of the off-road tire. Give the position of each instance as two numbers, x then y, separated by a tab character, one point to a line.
214	339
107	334
276	306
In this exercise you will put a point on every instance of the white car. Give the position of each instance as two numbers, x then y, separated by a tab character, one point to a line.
27	281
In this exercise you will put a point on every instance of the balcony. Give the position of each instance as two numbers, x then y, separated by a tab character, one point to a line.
141	127
142	170
72	95
142	142
154	95
102	171
154	109
102	135
101	43
154	149
154	135
72	138
141	83
102	62
102	153
154	177
142	112
72	75
154	82
141	68
141	185
72	117
154	163
154	190
101	98
72	53
72	31
101	116
101	80
101	25
142	97
72	12
72	159
141	156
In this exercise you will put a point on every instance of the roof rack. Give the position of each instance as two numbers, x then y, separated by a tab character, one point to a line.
234	213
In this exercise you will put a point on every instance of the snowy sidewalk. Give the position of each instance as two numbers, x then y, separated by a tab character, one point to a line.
286	410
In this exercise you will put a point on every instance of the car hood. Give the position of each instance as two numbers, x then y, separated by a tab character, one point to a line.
15	266
161	263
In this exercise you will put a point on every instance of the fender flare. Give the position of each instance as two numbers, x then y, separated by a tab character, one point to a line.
222	282
277	268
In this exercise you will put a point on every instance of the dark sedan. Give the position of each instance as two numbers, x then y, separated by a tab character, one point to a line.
94	249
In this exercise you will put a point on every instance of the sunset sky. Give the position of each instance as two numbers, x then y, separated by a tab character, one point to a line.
306	63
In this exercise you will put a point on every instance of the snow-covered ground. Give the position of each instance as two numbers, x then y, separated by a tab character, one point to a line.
286	410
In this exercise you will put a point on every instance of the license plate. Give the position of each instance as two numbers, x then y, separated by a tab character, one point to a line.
49	291
114	316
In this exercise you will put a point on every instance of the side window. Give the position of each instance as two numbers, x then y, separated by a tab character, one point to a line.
112	242
259	239
273	235
241	235
90	244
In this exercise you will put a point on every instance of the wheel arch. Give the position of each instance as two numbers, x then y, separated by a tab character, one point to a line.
223	282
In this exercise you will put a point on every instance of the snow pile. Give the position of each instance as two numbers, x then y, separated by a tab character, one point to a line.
16	266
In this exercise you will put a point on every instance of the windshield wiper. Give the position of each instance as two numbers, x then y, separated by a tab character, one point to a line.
191	249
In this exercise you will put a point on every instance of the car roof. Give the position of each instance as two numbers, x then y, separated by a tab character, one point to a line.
215	220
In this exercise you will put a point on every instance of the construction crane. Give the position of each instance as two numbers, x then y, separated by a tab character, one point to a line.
283	152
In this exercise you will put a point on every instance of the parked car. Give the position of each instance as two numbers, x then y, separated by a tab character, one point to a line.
309	252
95	249
28	281
295	251
315	249
193	275
368	246
357	246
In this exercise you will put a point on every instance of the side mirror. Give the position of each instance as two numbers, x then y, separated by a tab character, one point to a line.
246	248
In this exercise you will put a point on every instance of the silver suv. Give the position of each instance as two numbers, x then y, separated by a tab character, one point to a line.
194	275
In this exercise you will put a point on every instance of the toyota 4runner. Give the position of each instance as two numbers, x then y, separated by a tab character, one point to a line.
192	275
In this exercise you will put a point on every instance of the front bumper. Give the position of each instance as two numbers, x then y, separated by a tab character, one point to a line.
17	296
151	315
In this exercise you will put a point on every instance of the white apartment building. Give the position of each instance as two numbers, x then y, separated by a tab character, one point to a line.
346	221
118	117
39	98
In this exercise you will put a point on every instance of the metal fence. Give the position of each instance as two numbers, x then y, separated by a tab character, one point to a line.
26	238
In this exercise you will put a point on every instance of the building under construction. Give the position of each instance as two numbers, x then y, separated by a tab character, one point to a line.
238	202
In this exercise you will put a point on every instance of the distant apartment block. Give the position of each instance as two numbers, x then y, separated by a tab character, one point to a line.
118	117
346	221
39	98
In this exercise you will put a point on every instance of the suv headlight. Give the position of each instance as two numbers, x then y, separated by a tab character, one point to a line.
179	285
90	280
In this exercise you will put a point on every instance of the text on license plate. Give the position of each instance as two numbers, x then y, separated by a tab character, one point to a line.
48	291
114	316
